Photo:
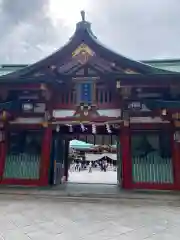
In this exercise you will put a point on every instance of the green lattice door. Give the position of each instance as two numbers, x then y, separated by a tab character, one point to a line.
151	158
23	155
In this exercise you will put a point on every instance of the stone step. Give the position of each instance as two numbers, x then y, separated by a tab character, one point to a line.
123	197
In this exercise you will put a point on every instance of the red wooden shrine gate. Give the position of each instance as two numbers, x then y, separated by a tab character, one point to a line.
85	85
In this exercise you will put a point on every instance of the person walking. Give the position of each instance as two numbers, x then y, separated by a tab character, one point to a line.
80	166
90	167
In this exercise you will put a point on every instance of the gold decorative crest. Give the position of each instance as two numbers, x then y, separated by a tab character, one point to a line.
83	53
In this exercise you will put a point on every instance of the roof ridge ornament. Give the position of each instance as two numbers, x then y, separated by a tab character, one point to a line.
83	15
84	25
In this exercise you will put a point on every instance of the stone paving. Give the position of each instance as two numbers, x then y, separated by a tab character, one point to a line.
24	218
109	177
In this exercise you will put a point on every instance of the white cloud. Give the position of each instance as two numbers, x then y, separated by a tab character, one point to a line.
141	29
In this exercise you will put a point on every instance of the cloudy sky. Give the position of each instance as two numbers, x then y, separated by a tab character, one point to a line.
139	29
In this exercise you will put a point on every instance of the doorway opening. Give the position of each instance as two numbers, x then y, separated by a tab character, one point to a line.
94	160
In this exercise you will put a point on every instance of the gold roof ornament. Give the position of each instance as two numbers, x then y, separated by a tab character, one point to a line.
83	53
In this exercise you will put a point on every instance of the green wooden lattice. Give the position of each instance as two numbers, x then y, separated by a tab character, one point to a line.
22	166
152	169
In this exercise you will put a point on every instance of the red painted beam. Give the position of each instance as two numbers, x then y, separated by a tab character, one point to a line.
25	182
153	186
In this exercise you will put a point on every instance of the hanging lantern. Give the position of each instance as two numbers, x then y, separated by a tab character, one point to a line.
118	84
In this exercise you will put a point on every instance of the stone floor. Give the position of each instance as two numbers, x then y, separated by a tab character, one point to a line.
109	177
24	218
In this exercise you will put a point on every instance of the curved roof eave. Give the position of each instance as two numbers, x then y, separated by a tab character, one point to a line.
39	64
84	33
149	68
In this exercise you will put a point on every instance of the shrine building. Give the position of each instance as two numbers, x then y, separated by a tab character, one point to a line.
86	91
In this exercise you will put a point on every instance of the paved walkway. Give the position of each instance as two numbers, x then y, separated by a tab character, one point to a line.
109	177
23	218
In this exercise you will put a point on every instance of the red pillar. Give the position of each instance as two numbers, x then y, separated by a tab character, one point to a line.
126	158
3	148
176	163
66	159
45	157
2	158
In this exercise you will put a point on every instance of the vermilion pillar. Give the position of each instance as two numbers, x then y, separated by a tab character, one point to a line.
45	157
66	159
176	163
3	147
126	158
